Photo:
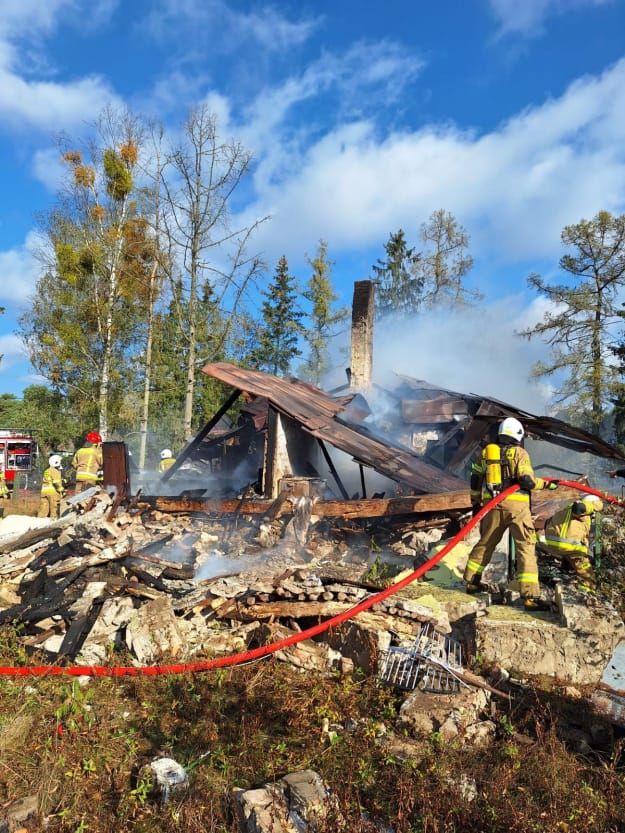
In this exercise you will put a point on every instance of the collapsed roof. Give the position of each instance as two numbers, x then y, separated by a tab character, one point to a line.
454	425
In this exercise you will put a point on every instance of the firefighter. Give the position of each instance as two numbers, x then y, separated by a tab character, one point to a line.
87	462
513	513
52	489
567	535
167	460
5	494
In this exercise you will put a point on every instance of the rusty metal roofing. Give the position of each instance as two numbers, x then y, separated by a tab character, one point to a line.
324	417
548	429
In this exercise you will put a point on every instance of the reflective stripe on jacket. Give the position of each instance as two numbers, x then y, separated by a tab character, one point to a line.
88	461
566	533
52	482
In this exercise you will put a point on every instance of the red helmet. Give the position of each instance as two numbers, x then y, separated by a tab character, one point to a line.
94	438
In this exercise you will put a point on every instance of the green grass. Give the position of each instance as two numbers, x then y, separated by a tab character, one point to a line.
80	749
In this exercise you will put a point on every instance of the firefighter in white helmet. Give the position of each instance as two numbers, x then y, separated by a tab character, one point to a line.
167	460
513	513
4	491
52	489
567	537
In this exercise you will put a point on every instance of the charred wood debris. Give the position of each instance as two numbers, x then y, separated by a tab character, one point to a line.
191	585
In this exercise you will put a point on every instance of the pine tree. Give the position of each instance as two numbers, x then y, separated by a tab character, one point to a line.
324	320
279	335
580	317
397	288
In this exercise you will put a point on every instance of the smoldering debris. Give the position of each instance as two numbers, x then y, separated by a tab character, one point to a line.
157	584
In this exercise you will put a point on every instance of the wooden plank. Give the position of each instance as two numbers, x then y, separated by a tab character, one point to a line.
432	411
289	610
365	508
120	550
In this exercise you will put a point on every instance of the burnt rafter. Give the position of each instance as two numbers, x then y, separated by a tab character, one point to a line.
323	416
424	403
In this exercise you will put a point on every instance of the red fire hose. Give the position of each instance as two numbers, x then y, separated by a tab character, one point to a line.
267	650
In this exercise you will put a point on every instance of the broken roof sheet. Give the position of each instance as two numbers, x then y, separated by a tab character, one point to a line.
325	417
544	428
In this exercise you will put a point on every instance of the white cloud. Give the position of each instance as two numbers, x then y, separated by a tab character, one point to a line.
12	352
265	26
272	30
48	168
19	272
51	106
29	18
46	104
527	16
365	77
513	188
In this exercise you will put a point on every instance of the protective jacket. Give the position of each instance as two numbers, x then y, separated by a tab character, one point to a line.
87	462
166	463
52	482
567	537
516	469
513	514
52	490
4	490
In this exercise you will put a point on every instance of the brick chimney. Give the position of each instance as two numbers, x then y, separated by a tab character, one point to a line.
361	370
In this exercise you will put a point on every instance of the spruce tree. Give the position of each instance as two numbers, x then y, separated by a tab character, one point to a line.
280	330
397	288
323	318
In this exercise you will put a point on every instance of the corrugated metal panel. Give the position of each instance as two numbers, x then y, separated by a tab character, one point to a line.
319	414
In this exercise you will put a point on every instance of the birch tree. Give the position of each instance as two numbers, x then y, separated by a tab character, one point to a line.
88	302
206	172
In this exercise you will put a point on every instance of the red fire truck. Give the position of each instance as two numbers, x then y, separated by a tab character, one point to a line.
18	452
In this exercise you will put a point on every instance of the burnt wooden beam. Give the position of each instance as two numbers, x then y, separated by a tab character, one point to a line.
432	411
365	508
195	441
332	468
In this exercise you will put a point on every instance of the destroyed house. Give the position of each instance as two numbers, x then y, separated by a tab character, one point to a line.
292	437
359	443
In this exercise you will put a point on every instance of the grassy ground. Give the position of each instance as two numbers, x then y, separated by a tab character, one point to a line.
80	749
24	503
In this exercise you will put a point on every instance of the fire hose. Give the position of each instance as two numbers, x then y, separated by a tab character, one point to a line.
253	654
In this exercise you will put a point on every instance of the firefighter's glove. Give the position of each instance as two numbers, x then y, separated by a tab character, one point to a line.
553	484
475	509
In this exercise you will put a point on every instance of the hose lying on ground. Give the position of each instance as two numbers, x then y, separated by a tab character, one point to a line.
267	650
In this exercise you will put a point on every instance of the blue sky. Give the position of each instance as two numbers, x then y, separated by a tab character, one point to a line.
362	119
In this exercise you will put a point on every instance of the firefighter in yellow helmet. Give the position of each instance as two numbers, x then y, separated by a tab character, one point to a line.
52	489
567	536
167	460
513	514
87	462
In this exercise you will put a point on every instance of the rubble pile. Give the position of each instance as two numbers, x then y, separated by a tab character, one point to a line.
158	585
125	584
